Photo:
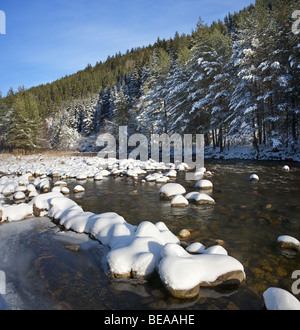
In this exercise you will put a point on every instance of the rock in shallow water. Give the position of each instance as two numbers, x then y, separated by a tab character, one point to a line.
183	274
170	190
279	299
288	242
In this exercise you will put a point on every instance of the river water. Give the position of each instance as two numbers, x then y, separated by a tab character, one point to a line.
42	272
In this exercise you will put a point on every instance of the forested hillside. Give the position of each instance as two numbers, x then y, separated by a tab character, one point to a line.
237	81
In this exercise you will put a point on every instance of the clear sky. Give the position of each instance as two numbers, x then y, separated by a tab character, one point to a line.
49	39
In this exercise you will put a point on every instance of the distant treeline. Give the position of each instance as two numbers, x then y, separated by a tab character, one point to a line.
236	81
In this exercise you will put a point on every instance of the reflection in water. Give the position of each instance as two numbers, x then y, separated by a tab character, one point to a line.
248	217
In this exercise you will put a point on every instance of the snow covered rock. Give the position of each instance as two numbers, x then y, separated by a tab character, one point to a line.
9	188
32	194
138	255
171	173
199	248
15	212
288	242
179	201
61	207
200	198
154	177
163	179
286	168
60	184
78	189
44	185
254	177
81	176
65	190
277	299
170	190
98	176
204	185
196	248
184	233
41	203
183	274
19	195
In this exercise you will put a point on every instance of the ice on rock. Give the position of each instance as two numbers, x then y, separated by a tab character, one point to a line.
183	273
279	299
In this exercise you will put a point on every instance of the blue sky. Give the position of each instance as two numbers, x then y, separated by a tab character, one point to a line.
48	39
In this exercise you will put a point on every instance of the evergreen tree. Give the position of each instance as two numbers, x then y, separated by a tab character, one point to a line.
23	130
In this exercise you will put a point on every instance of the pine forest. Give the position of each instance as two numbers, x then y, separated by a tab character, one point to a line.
236	81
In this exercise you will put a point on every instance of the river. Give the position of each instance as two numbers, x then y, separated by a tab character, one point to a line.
44	272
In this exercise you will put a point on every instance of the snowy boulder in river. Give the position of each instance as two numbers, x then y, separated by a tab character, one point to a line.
288	242
204	185
199	248
277	299
78	189
170	190
200	198
98	176
19	195
171	173
254	177
179	201
183	274
286	168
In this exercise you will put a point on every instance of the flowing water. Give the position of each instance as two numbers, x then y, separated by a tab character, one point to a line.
41	273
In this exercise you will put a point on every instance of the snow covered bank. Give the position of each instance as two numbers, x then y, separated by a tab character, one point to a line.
248	152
